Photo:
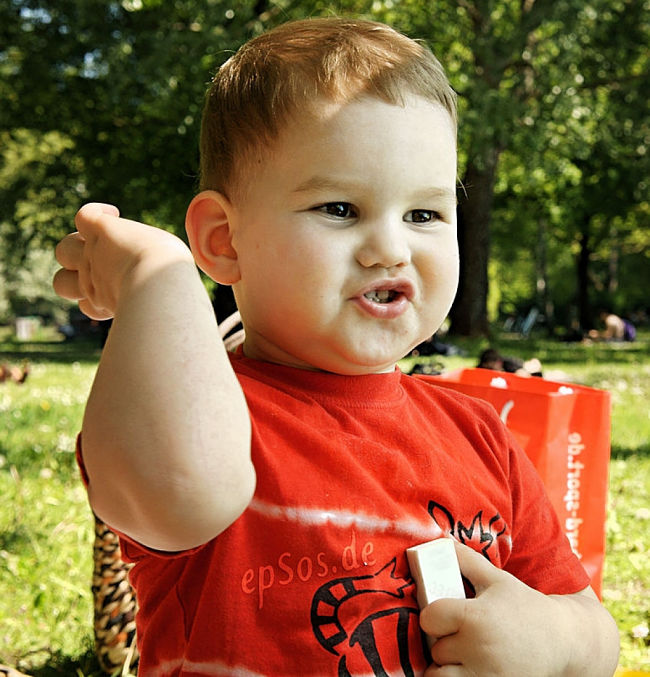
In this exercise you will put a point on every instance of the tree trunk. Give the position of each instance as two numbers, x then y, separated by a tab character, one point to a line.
582	270
544	301
614	255
469	312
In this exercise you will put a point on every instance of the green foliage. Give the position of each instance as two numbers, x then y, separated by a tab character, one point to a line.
102	101
40	173
126	81
27	290
578	161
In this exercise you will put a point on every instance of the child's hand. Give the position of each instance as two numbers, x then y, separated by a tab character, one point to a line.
508	629
99	257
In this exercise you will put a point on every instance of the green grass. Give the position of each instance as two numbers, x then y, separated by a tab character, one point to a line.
45	523
46	527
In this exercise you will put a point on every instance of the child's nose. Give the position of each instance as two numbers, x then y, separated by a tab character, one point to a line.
384	244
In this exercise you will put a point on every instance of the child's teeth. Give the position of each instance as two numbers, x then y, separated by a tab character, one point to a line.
382	296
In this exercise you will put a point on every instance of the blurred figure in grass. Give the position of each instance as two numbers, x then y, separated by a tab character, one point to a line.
616	328
492	359
12	373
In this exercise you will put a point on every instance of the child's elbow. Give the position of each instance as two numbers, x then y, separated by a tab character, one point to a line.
177	511
197	517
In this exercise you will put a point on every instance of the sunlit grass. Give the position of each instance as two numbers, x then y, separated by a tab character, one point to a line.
45	522
45	561
626	584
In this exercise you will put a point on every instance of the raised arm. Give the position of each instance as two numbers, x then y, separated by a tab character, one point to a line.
166	434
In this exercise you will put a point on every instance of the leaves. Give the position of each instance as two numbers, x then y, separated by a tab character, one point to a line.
101	99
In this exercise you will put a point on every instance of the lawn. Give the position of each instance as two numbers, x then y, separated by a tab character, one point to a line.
46	528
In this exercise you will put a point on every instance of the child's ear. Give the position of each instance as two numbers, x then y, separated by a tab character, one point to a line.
207	223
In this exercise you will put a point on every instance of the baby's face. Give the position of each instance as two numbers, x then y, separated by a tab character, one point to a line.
346	238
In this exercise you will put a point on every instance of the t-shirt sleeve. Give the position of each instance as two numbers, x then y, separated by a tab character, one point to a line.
541	554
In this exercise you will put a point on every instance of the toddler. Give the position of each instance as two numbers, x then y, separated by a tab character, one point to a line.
268	497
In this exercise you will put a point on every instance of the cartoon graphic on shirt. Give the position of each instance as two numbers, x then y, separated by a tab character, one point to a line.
371	622
483	538
381	642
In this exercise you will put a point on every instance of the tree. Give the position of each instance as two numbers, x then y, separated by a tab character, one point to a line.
584	173
542	86
484	46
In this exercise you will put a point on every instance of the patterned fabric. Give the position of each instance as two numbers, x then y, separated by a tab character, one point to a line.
114	604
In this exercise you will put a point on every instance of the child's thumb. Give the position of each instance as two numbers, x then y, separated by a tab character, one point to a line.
476	568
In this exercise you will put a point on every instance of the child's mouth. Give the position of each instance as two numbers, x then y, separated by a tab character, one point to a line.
386	299
381	296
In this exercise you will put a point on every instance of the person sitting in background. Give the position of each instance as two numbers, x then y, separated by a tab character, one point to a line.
15	374
492	359
616	328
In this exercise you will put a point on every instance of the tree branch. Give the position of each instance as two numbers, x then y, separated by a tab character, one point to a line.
474	14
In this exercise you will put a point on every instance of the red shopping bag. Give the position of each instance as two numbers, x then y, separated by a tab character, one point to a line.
565	430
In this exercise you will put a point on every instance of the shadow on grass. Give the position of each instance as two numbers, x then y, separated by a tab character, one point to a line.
58	665
553	350
547	350
64	352
13	538
622	453
576	353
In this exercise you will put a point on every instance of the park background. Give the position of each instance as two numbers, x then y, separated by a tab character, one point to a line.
101	100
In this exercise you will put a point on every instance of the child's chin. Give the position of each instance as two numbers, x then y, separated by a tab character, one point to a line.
372	364
357	354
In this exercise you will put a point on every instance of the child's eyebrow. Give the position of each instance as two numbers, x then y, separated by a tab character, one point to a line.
315	183
436	193
321	183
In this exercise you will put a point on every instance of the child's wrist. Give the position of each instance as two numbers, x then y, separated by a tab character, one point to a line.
156	264
568	623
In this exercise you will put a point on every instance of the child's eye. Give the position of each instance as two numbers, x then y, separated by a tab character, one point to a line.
422	216
339	210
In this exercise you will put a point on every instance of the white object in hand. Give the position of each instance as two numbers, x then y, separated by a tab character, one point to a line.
434	567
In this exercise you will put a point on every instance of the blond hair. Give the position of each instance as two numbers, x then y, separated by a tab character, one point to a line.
284	72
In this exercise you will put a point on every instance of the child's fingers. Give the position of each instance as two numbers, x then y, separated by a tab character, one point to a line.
94	312
449	651
66	284
443	617
69	251
476	568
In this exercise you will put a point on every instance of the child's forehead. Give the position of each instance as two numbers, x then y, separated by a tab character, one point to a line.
324	115
335	142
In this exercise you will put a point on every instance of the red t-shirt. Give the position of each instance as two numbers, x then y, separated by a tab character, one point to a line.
312	579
